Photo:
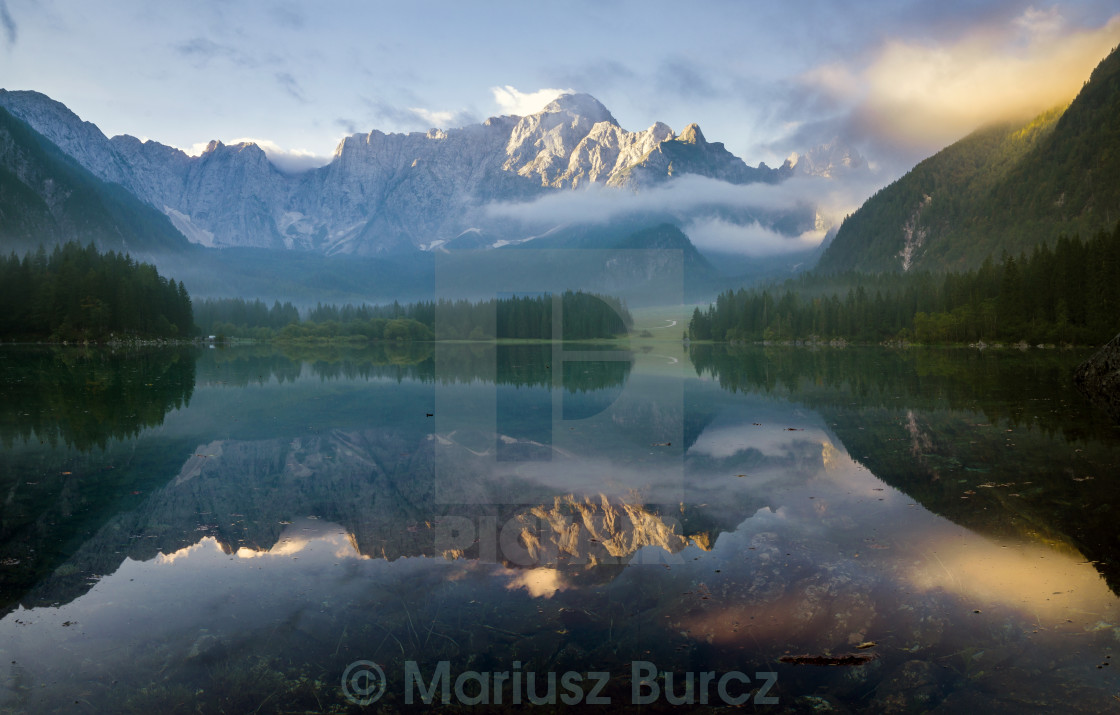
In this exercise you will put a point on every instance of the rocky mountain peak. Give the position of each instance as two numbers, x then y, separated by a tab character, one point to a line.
250	148
692	135
22	102
827	160
249	152
83	141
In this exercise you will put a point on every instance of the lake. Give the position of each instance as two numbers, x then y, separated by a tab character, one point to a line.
483	527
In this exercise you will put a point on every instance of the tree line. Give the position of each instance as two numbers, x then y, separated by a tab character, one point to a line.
237	317
585	316
76	293
1068	293
84	398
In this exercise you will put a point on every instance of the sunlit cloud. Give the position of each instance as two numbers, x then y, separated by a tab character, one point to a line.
752	239
513	101
1050	584
442	119
290	160
390	115
435	118
208	544
928	95
540	582
1041	22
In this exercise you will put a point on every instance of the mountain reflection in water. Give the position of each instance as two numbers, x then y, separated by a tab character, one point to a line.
296	524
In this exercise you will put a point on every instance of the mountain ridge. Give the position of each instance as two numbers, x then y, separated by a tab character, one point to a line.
48	197
387	193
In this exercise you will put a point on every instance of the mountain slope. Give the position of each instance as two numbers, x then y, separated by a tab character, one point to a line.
1008	187
1072	179
46	197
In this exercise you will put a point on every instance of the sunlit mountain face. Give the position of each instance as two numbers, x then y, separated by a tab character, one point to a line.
732	512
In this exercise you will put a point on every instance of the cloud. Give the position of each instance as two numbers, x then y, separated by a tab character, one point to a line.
1041	22
287	160
685	79
384	112
201	47
289	84
521	104
443	119
539	582
413	118
203	50
290	161
756	219
287	14
923	95
348	125
10	27
750	239
600	74
680	196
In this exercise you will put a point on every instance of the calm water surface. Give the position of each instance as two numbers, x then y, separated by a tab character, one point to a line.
231	530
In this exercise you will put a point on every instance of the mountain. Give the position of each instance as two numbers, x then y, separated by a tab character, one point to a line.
388	193
1008	187
690	153
829	160
47	197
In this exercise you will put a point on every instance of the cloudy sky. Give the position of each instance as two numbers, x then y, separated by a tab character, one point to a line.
897	79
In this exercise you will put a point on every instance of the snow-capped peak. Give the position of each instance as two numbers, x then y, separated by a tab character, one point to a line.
580	105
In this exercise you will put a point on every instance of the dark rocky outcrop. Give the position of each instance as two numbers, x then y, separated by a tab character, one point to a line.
1099	377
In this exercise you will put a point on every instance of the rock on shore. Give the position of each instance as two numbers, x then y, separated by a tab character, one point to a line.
1099	377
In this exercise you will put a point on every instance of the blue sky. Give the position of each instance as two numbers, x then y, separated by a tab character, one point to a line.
896	79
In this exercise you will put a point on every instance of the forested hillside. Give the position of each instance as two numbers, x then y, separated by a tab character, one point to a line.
1069	293
77	293
1005	188
46	197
